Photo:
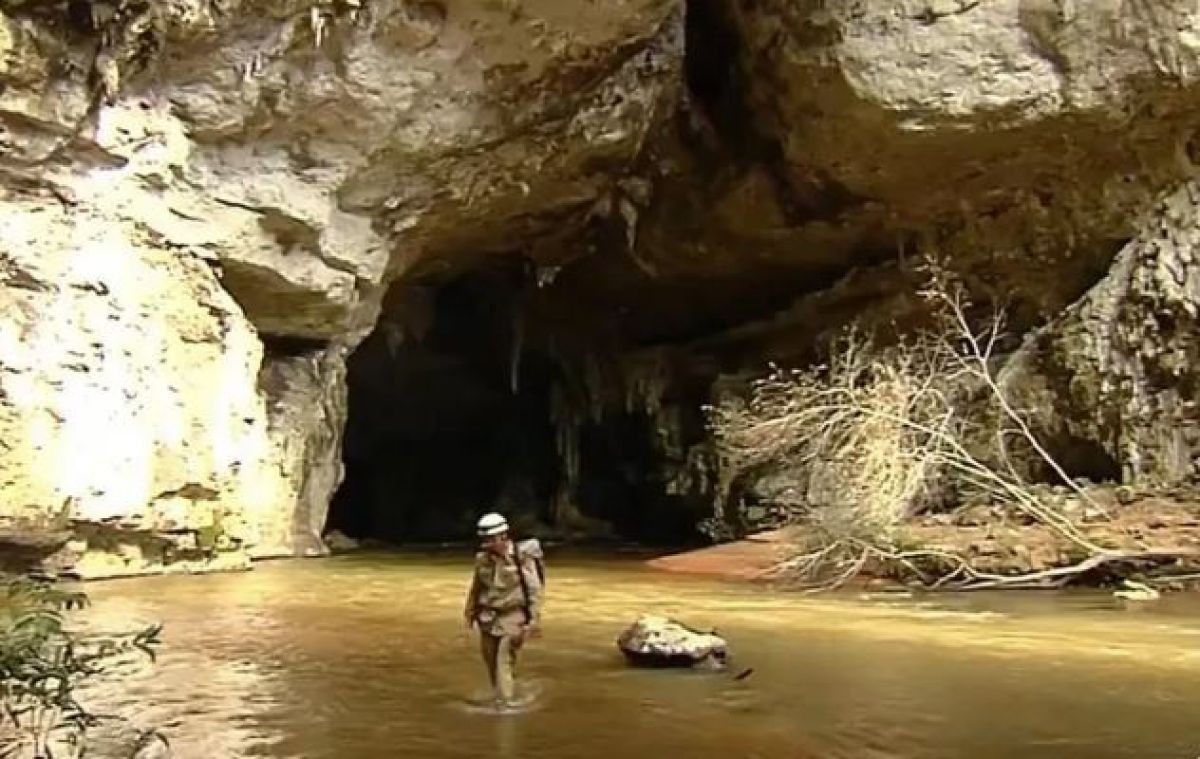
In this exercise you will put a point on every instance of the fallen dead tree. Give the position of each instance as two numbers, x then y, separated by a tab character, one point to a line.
944	570
884	434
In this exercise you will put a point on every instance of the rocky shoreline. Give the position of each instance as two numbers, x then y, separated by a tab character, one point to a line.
995	540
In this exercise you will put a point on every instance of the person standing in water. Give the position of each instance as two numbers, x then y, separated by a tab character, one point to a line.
505	601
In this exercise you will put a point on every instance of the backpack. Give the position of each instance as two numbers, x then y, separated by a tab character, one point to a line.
533	549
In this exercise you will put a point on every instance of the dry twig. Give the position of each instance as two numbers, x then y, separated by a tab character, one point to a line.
880	433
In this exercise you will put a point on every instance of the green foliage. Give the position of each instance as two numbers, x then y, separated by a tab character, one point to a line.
43	663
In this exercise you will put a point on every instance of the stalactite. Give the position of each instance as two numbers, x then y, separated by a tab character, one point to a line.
645	379
595	386
598	388
518	340
566	420
393	337
546	275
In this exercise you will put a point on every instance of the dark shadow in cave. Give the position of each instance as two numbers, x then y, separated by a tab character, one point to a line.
438	432
1078	458
435	434
616	483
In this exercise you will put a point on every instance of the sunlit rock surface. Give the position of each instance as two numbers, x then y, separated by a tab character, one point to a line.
208	206
198	222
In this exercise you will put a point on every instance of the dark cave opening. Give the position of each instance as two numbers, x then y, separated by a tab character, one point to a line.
710	59
616	483
450	416
435	433
1079	458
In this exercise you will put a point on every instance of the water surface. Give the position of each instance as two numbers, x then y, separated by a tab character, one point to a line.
363	657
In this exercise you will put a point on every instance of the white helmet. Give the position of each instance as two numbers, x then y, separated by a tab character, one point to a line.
491	524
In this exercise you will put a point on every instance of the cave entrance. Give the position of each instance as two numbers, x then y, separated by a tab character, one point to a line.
452	408
442	424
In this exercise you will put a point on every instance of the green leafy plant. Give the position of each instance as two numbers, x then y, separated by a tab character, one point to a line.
43	663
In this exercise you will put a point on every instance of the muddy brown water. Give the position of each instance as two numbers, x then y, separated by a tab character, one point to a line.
363	657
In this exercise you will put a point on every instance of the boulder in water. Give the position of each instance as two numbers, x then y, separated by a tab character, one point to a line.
654	641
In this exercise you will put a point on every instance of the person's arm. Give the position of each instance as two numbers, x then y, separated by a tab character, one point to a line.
472	599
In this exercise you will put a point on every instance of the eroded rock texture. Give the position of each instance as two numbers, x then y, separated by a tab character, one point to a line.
653	641
209	204
185	181
1117	369
1013	132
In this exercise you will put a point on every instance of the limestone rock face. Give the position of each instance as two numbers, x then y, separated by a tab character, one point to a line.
199	221
130	399
1118	368
849	134
921	106
1023	141
306	412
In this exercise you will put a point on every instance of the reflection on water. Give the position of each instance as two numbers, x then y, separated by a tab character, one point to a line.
364	657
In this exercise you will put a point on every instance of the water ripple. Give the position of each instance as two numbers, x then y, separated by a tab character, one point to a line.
363	657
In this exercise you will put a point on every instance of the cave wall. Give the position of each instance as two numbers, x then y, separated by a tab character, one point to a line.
305	388
189	185
206	201
1117	368
129	399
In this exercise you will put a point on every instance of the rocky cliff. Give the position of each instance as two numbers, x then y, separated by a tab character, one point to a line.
210	204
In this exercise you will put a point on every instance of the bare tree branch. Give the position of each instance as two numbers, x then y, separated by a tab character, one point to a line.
879	433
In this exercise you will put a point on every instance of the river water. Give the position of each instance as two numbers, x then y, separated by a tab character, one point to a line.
363	657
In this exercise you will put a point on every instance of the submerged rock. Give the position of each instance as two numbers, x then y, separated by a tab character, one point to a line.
152	745
654	641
